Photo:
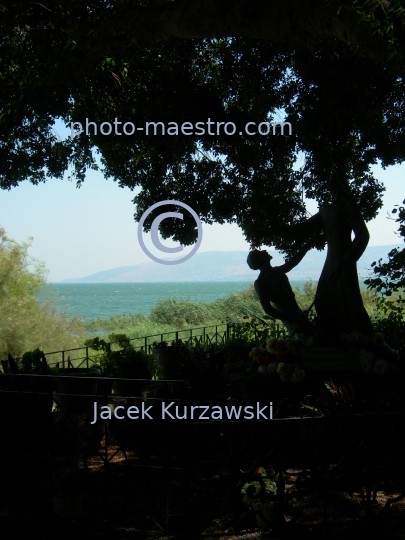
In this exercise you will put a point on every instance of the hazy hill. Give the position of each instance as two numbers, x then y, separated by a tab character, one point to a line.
223	266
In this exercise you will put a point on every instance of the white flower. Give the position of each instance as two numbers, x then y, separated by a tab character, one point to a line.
381	367
272	367
262	369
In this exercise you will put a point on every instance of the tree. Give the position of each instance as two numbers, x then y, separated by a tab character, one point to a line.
391	274
333	70
25	324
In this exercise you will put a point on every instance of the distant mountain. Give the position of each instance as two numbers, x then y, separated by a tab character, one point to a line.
224	266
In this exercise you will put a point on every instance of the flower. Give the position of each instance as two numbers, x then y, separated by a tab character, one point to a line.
265	359
284	369
381	367
272	367
274	345
280	356
257	352
298	375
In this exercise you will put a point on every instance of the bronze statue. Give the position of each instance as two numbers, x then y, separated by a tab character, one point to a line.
272	285
338	302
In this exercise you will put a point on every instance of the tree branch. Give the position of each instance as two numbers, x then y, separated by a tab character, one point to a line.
288	21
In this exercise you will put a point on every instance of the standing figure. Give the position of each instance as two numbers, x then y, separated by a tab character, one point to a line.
338	301
272	285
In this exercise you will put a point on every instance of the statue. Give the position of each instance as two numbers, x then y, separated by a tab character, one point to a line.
272	285
338	302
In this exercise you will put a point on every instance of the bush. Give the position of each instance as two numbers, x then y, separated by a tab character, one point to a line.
25	324
389	320
391	274
181	313
238	307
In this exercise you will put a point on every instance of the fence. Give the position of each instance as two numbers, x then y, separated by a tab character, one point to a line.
102	467
203	335
196	476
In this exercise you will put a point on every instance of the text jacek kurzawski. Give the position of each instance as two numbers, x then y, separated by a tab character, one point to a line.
176	411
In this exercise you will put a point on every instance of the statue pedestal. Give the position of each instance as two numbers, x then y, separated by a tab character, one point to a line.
330	358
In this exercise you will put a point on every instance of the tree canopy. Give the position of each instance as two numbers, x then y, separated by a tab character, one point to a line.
333	70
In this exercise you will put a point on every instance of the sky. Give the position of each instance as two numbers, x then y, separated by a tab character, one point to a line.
78	232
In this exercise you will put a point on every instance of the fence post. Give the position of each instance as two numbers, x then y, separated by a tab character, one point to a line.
63	359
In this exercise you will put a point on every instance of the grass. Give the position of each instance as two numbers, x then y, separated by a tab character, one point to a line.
168	316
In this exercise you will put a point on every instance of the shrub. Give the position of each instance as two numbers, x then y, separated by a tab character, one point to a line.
181	313
24	323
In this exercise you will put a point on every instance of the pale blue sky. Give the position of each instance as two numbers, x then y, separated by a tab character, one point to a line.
78	232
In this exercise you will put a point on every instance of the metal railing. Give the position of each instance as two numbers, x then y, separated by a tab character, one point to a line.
202	335
196	471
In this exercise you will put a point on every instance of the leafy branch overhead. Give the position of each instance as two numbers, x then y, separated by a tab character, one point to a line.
332	69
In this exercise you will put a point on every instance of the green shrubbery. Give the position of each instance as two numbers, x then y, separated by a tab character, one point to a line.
123	359
388	319
182	313
24	323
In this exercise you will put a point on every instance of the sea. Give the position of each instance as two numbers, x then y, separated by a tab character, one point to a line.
104	300
91	301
